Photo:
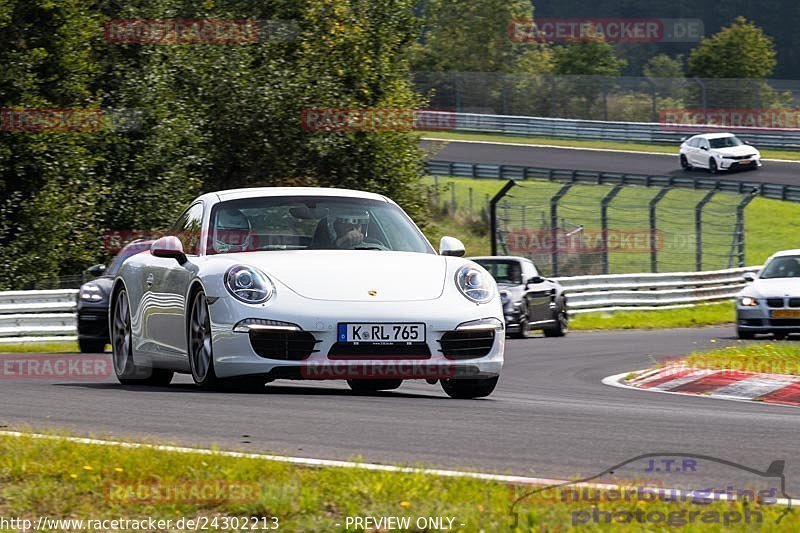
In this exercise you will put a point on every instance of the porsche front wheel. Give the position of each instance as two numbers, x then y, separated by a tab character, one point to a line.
201	353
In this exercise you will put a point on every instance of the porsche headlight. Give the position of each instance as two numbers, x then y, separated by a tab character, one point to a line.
747	301
249	285
475	284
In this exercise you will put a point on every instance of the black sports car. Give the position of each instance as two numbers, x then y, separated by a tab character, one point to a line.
530	301
93	299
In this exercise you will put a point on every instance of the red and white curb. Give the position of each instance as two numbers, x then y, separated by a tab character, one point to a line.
778	389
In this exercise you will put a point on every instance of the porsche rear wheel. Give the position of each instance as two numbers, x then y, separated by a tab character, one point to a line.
126	369
201	353
373	385
469	388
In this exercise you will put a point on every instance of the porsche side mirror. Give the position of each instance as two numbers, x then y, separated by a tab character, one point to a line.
451	246
749	277
169	247
535	280
96	270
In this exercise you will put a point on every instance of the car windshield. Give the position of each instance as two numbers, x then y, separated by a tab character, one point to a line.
725	142
312	223
782	267
503	271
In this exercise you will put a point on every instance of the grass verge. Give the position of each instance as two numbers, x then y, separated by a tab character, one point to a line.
702	315
791	155
39	347
766	357
62	479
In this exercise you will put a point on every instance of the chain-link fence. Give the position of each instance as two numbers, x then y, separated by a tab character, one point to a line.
570	230
753	102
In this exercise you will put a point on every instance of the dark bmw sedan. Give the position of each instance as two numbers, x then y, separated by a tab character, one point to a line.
530	302
94	296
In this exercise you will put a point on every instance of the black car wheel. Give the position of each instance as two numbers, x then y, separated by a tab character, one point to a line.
685	163
561	320
524	331
712	166
125	367
201	353
469	388
91	345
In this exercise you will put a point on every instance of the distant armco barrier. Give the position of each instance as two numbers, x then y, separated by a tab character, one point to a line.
755	118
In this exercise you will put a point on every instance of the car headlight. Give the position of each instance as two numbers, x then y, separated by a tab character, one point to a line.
747	301
475	284
91	292
249	285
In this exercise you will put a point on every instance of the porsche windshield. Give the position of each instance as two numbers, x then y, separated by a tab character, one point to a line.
782	267
312	223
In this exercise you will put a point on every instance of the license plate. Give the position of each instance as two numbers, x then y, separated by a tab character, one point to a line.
745	162
382	333
785	313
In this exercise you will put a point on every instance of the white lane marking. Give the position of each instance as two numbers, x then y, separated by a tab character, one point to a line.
617	381
752	387
519	480
580	148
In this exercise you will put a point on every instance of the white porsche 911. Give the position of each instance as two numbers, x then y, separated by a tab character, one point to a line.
305	283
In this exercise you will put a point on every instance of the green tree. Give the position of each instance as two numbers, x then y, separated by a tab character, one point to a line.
741	50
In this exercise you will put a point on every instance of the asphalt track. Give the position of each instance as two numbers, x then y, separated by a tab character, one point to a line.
785	173
550	416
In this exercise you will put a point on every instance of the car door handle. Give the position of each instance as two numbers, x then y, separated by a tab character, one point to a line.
150	279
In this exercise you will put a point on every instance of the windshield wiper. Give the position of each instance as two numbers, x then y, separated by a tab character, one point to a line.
367	248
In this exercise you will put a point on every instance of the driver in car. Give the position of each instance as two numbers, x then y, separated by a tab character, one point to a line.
348	229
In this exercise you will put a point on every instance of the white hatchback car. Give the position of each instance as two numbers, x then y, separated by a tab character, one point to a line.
718	151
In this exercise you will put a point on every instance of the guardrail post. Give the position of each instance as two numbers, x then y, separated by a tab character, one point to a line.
739	233
654	227
493	233
698	230
554	225
604	203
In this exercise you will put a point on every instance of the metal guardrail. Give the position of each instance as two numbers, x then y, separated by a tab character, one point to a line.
19	321
592	177
645	292
561	128
31	316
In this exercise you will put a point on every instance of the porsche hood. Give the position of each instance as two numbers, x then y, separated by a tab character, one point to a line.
353	275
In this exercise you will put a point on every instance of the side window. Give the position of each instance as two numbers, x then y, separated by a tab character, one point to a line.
188	228
528	270
692	143
703	143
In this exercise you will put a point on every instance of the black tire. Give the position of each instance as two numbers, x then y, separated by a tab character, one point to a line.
712	166
524	331
466	389
685	163
200	347
91	345
745	335
561	318
125	367
373	385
